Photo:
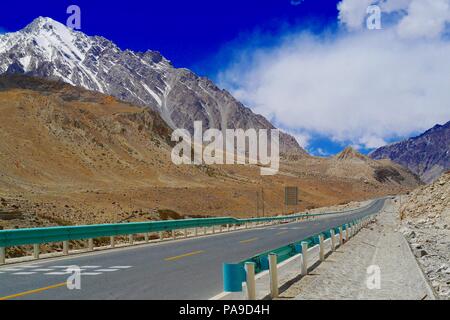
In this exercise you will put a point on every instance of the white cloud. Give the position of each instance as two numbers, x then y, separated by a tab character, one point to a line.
415	18
353	12
425	19
364	87
303	139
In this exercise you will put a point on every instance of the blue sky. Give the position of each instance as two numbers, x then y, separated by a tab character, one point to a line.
186	32
216	38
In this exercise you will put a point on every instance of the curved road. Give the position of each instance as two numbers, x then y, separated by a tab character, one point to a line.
181	269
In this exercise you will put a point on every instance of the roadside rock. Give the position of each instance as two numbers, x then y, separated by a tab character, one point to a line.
426	217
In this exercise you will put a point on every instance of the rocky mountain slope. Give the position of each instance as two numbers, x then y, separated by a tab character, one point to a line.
48	49
427	155
72	156
426	216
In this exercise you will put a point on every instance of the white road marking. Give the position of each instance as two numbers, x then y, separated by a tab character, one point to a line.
106	270
90	267
23	273
90	273
57	273
31	267
43	270
121	267
11	269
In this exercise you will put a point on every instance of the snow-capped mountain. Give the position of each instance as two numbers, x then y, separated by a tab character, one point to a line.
48	49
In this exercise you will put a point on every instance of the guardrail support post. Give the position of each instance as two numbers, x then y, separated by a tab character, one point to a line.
347	233
2	255
341	236
161	236
205	230
65	248
220	229
273	272
214	229
196	231
333	240
304	270
228	227
251	283
146	237
174	236
91	244
130	239
246	225
112	242
185	233
36	251
321	248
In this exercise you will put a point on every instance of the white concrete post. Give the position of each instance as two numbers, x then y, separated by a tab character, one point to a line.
65	248
130	239
146	237
341	237
251	283
273	273
2	255
91	244
185	233
161	236
214	229
347	233
228	227
321	248
333	240
174	236
112	242
304	270
36	251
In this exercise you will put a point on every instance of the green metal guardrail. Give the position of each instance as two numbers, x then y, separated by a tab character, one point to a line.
17	237
234	273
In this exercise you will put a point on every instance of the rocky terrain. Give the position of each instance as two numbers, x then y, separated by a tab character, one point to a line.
48	49
72	156
427	155
426	225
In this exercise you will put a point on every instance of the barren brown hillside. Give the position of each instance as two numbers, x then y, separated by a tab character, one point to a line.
70	156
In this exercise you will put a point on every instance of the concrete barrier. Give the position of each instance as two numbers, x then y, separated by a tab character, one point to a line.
273	273
250	280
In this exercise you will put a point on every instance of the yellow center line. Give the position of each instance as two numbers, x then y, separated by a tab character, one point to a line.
249	240
184	255
21	294
282	232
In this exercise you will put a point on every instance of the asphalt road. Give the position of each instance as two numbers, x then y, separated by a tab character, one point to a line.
182	269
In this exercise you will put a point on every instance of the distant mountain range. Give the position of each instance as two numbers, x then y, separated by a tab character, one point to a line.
427	155
48	49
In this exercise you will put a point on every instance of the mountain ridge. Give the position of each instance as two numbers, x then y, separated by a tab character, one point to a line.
427	155
46	48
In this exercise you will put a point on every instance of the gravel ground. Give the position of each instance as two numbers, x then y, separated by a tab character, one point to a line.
344	273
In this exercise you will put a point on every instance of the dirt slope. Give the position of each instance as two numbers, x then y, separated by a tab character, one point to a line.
71	156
